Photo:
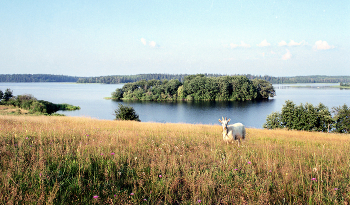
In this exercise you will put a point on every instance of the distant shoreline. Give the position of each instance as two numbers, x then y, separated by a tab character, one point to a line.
119	79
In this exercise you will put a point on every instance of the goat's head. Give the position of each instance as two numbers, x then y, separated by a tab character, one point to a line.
224	123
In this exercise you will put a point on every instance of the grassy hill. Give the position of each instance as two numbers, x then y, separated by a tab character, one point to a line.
68	160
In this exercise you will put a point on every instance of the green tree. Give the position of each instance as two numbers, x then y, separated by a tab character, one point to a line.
264	88
126	113
342	119
302	117
225	89
118	94
287	114
180	92
172	86
273	121
8	94
325	120
1	95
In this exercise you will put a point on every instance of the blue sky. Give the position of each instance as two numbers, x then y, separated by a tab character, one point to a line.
95	38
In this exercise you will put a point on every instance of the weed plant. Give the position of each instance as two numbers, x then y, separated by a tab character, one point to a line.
67	160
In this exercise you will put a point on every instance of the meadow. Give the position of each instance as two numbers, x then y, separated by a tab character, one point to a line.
70	160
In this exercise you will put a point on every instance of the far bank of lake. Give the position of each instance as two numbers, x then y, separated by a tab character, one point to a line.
90	98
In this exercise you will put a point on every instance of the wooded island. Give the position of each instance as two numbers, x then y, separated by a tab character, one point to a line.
197	87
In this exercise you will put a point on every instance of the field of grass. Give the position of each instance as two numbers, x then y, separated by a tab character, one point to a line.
68	160
12	110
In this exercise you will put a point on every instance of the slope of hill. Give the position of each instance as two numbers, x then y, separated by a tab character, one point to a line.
81	160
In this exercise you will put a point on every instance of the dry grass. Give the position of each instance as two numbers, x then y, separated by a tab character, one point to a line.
82	161
11	110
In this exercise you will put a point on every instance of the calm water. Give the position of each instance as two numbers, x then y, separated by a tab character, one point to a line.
253	114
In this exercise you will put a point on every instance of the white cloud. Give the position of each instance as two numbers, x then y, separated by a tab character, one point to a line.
243	45
322	45
144	42
282	43
293	43
264	43
287	56
233	45
152	44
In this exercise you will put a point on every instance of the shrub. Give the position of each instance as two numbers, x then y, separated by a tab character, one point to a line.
126	113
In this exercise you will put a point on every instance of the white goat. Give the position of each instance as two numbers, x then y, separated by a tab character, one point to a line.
232	132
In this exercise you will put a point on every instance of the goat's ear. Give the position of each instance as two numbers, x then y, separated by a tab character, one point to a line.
229	120
220	120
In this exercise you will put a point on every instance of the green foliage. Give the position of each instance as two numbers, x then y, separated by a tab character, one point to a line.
273	121
65	106
126	113
264	88
342	119
118	94
196	87
29	102
344	84
7	95
1	94
115	79
181	77
302	117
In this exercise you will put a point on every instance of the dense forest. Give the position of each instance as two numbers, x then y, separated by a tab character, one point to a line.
36	78
196	87
115	79
305	79
310	118
180	77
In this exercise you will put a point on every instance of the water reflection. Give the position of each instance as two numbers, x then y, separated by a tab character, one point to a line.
251	113
202	112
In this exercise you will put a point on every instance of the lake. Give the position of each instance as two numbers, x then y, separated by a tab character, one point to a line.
90	97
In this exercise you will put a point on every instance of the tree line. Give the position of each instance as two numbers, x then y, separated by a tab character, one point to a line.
36	78
180	77
29	102
196	87
344	84
306	79
116	79
310	118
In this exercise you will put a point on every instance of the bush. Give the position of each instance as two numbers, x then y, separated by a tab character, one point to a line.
126	113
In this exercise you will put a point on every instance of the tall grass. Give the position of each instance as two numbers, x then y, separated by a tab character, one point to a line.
66	160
